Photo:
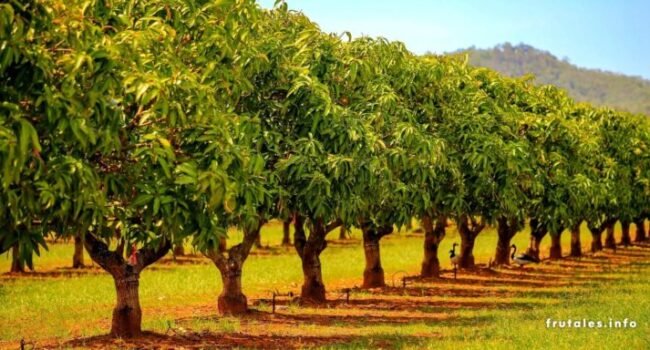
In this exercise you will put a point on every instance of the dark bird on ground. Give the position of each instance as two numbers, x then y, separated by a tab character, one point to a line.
455	259
523	258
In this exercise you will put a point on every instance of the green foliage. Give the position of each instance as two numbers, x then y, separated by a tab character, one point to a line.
163	120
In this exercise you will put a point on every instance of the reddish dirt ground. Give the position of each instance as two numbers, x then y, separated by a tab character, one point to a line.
419	301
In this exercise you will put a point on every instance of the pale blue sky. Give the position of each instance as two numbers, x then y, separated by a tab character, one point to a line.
607	34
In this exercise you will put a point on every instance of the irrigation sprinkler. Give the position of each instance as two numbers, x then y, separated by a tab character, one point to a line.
276	294
347	295
23	343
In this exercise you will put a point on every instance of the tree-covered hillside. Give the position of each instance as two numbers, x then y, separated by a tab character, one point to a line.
590	85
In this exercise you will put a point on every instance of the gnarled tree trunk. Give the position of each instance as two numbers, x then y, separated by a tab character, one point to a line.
16	266
179	250
596	241
597	234
433	235
230	262
127	314
343	233
506	229
556	246
373	274
537	233
576	245
78	255
258	242
640	230
309	250
610	241
626	240
286	232
468	235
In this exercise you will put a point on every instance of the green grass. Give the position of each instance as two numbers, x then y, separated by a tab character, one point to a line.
45	308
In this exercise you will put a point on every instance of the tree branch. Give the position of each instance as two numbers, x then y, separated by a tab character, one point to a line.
99	252
332	225
147	256
299	238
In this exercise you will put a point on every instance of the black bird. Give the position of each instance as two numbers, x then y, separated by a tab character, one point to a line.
522	259
455	259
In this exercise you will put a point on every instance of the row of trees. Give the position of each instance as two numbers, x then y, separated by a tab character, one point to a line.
132	126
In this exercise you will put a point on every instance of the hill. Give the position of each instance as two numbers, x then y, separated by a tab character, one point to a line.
591	85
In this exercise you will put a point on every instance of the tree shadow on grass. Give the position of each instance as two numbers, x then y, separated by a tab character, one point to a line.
206	340
214	340
287	319
460	291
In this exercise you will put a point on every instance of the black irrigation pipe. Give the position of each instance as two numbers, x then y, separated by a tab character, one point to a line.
344	293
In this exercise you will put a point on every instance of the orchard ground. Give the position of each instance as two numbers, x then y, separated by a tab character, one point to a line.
504	308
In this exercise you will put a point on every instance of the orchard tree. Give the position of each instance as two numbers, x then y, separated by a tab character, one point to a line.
607	177
425	165
247	208
495	162
641	174
128	117
555	141
26	67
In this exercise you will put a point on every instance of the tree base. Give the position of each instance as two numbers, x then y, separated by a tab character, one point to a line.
556	252
640	238
16	268
430	269
127	322
232	304
467	262
610	243
179	250
313	294
373	278
502	255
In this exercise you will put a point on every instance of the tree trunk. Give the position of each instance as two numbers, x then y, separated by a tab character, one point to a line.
373	275
433	235
309	250
78	256
16	266
127	315
596	240
626	240
467	238
466	253
533	247
231	301
556	246
506	229
537	233
610	241
286	233
230	262
343	233
640	230
313	288
258	242
576	245
179	250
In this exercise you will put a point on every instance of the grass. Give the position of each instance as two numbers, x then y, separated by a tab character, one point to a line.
479	312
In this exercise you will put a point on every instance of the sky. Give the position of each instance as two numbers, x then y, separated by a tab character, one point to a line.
612	35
